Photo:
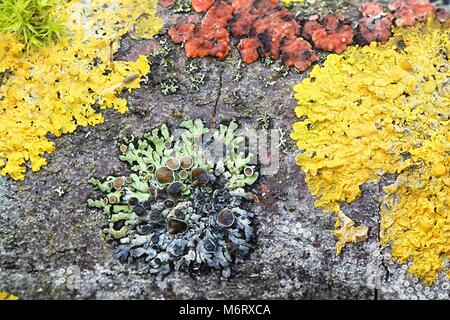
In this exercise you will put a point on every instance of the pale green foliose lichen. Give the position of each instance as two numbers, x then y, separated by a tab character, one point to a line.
182	207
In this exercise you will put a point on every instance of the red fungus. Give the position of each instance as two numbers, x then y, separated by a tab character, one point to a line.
211	38
332	33
248	49
310	26
208	42
202	5
271	31
272	28
298	53
218	15
375	25
184	29
258	6
268	30
246	14
242	23
371	9
371	29
408	12
238	4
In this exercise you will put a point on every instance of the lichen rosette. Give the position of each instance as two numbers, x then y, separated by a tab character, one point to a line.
181	208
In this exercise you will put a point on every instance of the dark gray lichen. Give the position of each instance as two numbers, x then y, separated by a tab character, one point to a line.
182	208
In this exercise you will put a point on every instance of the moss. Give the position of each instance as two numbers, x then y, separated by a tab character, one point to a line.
31	21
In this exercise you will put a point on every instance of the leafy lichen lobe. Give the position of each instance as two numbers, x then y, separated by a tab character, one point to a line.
385	109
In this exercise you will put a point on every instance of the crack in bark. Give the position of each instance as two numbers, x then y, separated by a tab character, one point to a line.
219	95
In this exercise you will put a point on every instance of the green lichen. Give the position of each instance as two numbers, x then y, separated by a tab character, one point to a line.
169	86
264	121
192	66
199	79
182	6
180	206
268	61
162	54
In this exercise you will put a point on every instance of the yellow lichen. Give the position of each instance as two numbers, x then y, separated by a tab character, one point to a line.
385	109
6	296
293	1
146	27
346	232
54	89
